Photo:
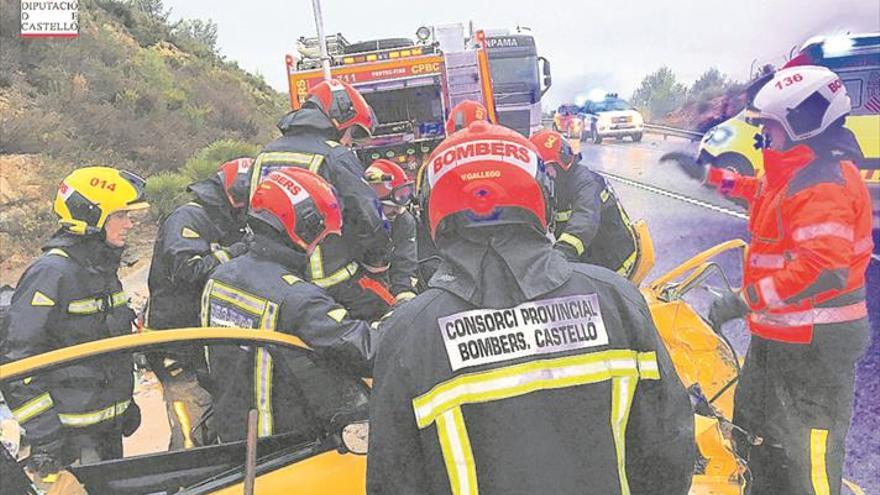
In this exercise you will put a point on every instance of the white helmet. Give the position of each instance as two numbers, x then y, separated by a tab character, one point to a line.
805	99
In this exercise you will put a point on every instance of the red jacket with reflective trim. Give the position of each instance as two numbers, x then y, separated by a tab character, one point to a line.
810	226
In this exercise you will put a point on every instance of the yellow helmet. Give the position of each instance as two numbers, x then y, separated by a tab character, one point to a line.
89	195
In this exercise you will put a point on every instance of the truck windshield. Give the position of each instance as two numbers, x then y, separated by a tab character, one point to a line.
514	70
416	105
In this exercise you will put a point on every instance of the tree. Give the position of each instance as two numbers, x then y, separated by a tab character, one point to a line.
193	34
659	93
154	9
712	83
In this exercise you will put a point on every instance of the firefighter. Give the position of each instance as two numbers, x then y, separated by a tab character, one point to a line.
591	224
517	371
804	282
311	138
193	240
292	211
395	192
70	295
463	114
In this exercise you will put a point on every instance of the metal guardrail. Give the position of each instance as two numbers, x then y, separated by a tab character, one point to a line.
666	131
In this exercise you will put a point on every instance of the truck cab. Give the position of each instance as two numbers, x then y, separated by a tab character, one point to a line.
520	79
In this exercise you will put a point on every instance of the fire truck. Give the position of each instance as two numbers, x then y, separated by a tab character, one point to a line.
411	85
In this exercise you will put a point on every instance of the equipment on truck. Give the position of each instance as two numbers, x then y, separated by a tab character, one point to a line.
411	86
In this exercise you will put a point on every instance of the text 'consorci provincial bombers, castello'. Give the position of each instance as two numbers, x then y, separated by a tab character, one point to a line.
539	327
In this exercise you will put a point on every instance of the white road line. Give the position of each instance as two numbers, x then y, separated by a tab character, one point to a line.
680	197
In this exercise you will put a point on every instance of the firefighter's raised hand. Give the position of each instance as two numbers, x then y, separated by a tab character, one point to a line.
687	164
729	306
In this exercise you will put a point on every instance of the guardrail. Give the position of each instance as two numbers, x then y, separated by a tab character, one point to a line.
667	131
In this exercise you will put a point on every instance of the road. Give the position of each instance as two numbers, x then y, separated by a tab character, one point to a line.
685	218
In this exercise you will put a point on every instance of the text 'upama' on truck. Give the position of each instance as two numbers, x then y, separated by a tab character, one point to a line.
411	85
519	78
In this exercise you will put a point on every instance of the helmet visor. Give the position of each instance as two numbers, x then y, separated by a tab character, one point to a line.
403	194
139	185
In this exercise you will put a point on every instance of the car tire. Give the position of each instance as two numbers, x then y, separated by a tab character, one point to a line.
637	137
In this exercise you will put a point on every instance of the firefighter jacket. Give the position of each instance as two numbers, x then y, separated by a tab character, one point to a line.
810	226
69	295
517	372
309	142
264	290
591	225
192	241
403	272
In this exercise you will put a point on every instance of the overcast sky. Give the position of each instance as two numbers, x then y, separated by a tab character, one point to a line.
608	44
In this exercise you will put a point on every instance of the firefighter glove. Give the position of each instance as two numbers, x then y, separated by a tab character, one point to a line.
729	306
131	420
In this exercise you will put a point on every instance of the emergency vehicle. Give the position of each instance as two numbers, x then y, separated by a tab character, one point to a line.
613	117
856	59
410	85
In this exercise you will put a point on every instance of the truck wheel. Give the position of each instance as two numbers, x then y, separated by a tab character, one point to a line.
637	137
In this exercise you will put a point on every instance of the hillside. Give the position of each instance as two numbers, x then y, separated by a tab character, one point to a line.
133	91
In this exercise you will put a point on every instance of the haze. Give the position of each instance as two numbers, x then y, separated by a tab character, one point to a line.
608	45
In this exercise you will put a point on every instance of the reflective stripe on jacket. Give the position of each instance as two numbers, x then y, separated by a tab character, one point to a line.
810	225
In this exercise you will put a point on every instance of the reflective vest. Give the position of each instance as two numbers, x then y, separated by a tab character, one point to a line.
810	226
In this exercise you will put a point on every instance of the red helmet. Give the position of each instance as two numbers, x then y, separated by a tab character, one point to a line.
300	204
463	114
390	182
345	106
235	175
553	148
490	173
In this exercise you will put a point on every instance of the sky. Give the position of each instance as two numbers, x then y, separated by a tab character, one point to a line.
610	45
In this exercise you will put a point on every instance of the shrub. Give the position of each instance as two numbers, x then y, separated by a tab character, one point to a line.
205	162
165	191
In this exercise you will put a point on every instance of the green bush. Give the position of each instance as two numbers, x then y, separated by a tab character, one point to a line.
205	162
165	191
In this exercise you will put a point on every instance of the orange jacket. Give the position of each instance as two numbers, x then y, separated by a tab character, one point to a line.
810	226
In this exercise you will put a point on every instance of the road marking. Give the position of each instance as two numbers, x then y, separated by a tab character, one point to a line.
669	194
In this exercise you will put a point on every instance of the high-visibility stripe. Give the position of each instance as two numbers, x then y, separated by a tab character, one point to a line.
34	407
442	404
623	389
58	252
457	453
81	420
316	162
316	264
768	291
516	380
222	255
96	304
292	158
605	195
814	316
563	216
626	266
573	241
818	469
238	297
864	245
263	375
263	391
834	229
767	261
341	275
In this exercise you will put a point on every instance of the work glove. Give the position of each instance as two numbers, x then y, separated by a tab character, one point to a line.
567	250
728	306
47	458
237	249
131	419
687	164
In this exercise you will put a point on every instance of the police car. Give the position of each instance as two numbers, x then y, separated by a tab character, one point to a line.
612	117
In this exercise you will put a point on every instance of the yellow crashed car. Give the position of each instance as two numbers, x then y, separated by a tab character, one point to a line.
324	456
318	457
